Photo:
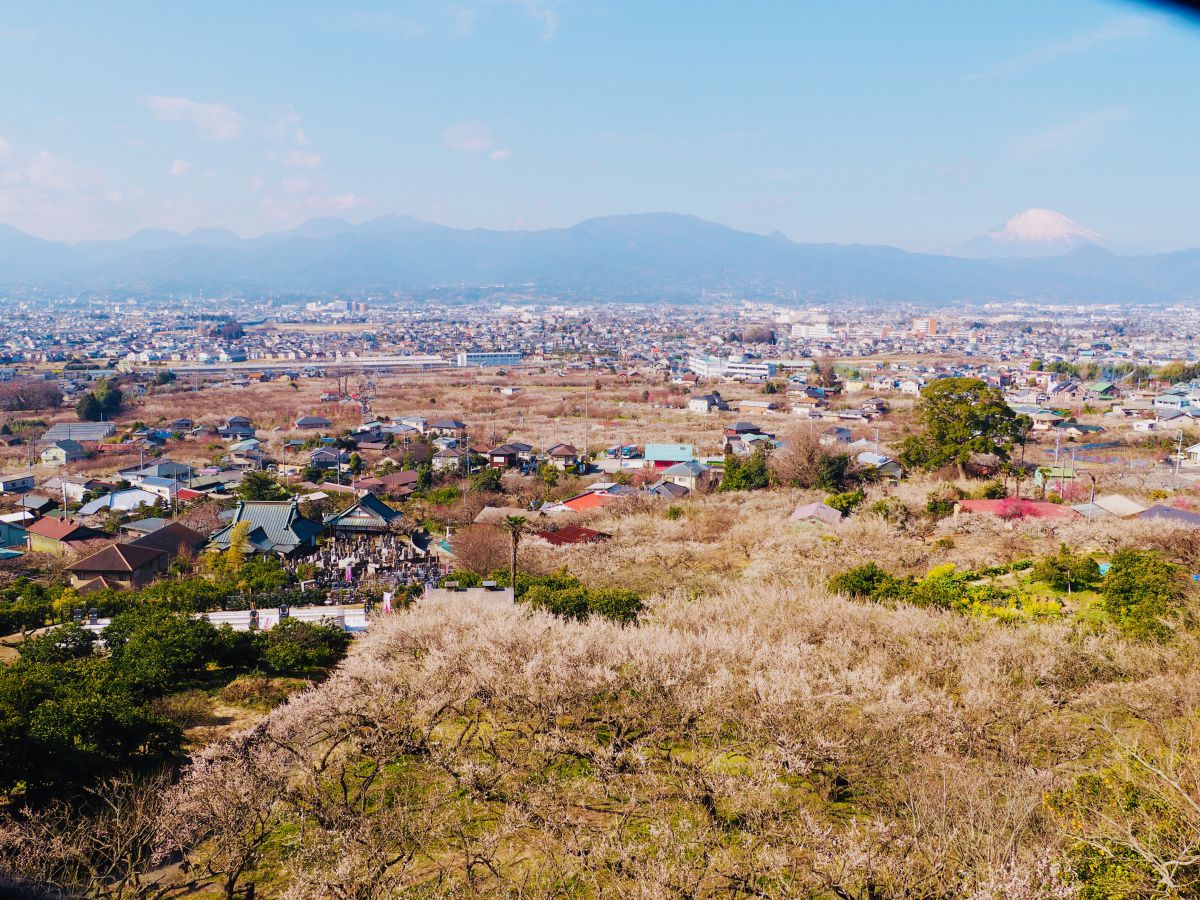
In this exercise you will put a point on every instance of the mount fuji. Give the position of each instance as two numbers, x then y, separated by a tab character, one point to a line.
1032	233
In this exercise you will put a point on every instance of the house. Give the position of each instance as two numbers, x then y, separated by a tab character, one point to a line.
447	428
566	535
759	406
668	490
506	456
310	423
121	566
368	515
1078	429
419	424
143	527
1014	508
37	504
450	458
236	428
396	484
16	484
691	474
706	403
276	527
662	456
13	535
585	502
1052	475
325	458
1103	391
1175	401
1120	506
89	432
563	456
62	452
1045	419
1169	514
166	488
884	465
120	501
164	468
60	535
816	512
835	435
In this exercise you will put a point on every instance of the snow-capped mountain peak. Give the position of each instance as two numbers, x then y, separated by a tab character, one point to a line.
1044	226
1034	232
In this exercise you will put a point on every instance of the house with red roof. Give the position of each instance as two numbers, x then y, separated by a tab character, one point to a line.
1011	508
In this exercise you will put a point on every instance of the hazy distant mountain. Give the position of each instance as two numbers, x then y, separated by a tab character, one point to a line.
1032	233
650	257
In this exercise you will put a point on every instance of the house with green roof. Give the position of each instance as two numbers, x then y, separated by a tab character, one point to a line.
276	527
368	515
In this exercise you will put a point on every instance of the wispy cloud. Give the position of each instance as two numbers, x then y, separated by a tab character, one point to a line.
388	23
180	167
1124	28
544	12
474	137
1069	135
213	120
302	159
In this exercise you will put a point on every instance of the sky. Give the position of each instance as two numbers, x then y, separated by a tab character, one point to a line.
917	124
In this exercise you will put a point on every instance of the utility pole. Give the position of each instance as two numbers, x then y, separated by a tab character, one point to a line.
586	427
1179	453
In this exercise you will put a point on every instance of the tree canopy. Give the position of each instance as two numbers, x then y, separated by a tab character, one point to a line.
961	417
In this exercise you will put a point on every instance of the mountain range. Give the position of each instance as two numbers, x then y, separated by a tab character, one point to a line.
645	256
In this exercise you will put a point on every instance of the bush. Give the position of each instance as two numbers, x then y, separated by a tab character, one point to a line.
581	603
1144	594
861	582
673	512
297	648
1067	571
846	503
892	510
993	490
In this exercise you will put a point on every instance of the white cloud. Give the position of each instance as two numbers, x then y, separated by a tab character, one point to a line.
544	12
46	172
1120	29
47	195
344	203
213	120
474	137
301	138
1071	134
302	159
469	137
181	167
295	185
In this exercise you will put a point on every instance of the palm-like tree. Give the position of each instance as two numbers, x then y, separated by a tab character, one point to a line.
515	526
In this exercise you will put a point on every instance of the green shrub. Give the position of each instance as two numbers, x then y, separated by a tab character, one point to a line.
846	503
1144	594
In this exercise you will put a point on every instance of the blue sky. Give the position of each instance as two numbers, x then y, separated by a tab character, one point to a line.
917	124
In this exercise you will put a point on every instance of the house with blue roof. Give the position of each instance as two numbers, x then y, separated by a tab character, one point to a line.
663	456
